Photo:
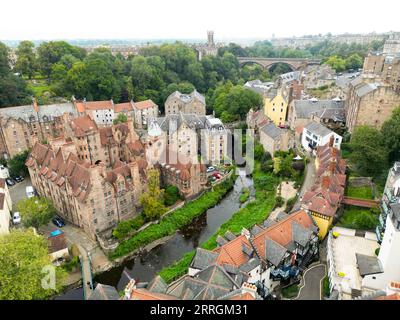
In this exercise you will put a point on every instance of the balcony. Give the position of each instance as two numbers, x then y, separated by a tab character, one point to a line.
382	220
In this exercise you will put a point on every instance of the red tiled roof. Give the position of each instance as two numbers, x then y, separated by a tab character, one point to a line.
281	232
99	105
143	294
232	253
395	296
121	107
144	104
243	296
82	125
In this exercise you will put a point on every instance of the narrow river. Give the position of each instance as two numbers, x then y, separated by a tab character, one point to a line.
146	266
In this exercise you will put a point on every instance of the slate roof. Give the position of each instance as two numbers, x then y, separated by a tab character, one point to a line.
203	258
187	98
104	292
157	285
272	130
209	284
250	265
28	112
300	234
274	252
335	114
366	88
304	108
172	122
368	264
318	129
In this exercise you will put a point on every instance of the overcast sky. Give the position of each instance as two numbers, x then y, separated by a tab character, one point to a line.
189	19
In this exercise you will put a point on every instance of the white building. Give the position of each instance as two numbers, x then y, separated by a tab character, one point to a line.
315	135
214	141
5	208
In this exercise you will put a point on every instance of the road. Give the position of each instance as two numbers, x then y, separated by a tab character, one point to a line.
311	288
18	191
309	179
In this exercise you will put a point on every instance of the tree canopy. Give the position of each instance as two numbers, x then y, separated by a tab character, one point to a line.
24	258
36	211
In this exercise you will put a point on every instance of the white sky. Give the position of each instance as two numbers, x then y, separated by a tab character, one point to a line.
189	19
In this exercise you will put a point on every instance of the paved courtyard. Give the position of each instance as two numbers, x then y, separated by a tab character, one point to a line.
18	191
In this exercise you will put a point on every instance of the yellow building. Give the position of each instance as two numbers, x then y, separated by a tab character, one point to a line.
275	106
323	222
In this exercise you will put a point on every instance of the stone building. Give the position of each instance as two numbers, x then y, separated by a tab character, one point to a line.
275	139
214	141
370	101
75	186
207	49
193	103
104	144
104	112
301	112
21	127
5	207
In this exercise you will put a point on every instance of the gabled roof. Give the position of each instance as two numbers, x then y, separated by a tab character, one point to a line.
104	292
141	105
274	252
318	129
271	130
203	258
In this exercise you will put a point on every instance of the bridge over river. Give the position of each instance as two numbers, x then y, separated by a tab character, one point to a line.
266	63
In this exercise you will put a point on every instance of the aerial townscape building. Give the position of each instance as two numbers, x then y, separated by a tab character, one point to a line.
193	103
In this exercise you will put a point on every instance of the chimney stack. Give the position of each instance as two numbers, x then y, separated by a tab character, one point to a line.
332	166
129	288
331	140
325	182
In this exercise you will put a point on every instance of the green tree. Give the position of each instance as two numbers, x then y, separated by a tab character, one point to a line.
391	135
354	61
36	211
152	200
337	63
26	62
368	150
17	166
121	118
13	89
171	195
23	255
51	52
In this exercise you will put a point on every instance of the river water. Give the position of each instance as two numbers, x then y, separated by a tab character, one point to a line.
147	265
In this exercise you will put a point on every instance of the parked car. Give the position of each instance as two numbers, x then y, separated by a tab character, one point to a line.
210	169
59	222
18	178
30	191
16	218
217	175
10	182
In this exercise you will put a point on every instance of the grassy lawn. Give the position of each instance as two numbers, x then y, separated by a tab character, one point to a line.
291	291
359	218
39	87
364	192
255	212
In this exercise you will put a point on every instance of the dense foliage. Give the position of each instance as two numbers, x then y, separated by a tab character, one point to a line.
16	164
36	212
23	255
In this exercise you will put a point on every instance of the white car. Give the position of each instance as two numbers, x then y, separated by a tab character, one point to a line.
210	169
16	218
30	191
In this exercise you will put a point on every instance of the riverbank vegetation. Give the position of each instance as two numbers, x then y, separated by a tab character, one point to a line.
244	195
174	221
255	212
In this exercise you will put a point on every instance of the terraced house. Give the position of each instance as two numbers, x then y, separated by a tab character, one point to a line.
75	183
324	198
